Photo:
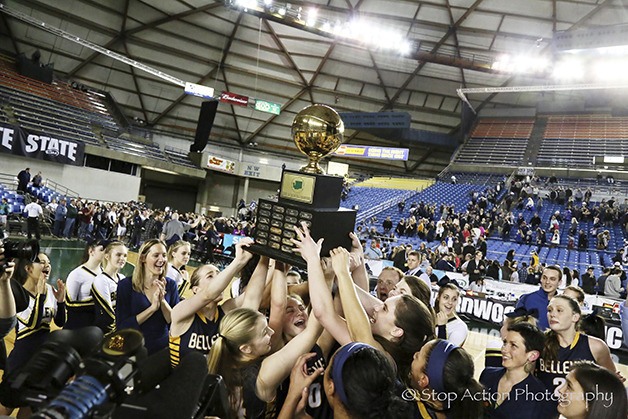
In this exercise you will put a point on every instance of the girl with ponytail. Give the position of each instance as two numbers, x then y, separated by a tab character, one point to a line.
360	383
239	355
442	383
564	344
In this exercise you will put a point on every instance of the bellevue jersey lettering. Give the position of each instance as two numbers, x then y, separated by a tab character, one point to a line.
553	373
199	337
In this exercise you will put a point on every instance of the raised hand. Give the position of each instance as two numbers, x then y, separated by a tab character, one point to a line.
300	379
340	260
6	267
305	244
241	254
441	318
59	292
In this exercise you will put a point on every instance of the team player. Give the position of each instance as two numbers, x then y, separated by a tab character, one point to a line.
80	303
360	383
441	374
592	392
195	320
398	326
105	286
510	385
564	344
178	257
239	356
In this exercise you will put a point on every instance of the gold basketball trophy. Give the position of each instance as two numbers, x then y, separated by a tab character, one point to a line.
308	194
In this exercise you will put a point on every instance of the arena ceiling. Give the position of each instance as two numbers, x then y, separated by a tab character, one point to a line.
453	45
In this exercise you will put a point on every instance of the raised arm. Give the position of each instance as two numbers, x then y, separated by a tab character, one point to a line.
252	295
213	289
357	319
277	367
278	303
320	294
358	266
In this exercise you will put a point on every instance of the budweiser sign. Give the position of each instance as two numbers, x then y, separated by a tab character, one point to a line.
234	99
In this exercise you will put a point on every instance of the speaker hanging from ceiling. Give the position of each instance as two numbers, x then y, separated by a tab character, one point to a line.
204	126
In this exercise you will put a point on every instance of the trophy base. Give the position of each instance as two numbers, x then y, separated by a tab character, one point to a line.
275	229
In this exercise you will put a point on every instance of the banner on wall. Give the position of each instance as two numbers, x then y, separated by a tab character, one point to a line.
40	145
220	164
372	152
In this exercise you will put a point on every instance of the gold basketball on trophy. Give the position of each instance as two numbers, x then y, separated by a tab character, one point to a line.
317	131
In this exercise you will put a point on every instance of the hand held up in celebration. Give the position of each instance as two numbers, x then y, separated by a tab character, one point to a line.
340	260
59	292
305	244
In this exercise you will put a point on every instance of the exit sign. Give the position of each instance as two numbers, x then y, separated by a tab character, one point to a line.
268	107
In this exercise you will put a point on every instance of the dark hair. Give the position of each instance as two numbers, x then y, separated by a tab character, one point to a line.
418	288
533	338
90	246
441	290
594	380
458	379
369	382
20	274
593	325
417	322
550	351
556	268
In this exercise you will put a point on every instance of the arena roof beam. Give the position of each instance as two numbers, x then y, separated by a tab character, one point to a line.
207	76
73	38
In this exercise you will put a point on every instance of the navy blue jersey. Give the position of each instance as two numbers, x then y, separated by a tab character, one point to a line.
317	405
553	373
527	399
199	337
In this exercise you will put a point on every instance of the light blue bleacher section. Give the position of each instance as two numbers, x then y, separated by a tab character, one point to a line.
44	193
487	179
439	193
366	198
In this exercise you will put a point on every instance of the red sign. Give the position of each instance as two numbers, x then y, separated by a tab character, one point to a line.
234	99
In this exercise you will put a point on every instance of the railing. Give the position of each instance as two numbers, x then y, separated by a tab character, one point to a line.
60	189
8	179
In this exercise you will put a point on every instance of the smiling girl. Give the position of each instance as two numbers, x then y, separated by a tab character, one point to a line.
522	346
448	325
145	300
105	286
178	257
45	304
195	321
